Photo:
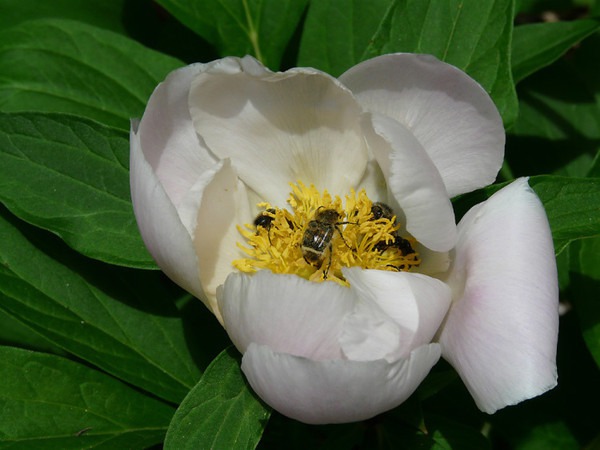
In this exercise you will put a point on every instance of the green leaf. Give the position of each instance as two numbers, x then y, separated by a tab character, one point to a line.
16	334
49	402
337	32
538	45
558	129
586	295
447	434
473	35
94	12
595	167
121	320
221	411
66	66
71	176
547	436
261	28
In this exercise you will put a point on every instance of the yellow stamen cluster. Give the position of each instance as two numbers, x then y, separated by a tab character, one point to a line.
277	241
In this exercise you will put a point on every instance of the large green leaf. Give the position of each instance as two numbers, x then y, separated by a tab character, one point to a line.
587	267
48	402
221	411
121	320
473	35
261	28
66	66
558	129
71	176
102	13
15	333
537	45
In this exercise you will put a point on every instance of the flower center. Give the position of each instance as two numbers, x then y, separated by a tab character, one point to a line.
318	236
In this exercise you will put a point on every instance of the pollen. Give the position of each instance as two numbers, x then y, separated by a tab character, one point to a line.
317	235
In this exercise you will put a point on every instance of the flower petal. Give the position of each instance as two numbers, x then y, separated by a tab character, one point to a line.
369	334
414	182
215	206
168	137
278	128
450	114
334	391
166	238
285	312
415	302
501	331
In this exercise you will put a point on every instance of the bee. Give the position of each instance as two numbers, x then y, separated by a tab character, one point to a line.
265	219
383	211
319	235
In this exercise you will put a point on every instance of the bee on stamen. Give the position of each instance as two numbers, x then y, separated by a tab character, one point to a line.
382	211
318	236
265	219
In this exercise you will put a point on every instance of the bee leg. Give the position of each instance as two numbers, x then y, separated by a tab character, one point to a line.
342	236
326	271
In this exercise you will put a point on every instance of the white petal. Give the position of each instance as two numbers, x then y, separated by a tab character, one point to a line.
278	128
285	312
414	182
450	114
501	331
166	238
215	206
334	391
417	303
369	334
168	137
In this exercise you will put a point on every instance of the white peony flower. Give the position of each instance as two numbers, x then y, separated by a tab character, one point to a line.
312	216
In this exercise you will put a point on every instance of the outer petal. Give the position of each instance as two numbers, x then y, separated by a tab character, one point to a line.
449	113
285	312
168	137
502	330
416	303
334	391
163	232
280	127
414	182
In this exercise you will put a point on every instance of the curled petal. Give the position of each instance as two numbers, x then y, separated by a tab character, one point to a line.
450	114
414	182
501	332
334	391
285	312
369	334
415	302
168	138
278	128
215	206
165	236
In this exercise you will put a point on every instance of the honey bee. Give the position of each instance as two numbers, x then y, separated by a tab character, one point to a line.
319	235
383	211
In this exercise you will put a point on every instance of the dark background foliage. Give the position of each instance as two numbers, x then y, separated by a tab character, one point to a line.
100	350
